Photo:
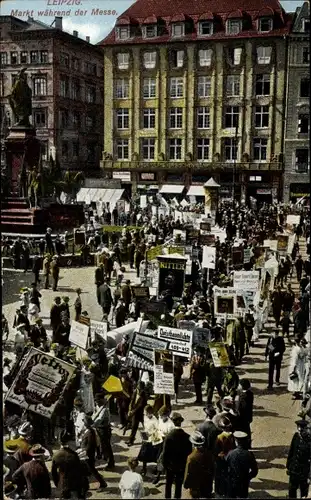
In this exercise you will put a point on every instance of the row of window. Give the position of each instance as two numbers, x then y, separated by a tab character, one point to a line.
177	58
229	151
175	149
75	64
176	114
204	86
75	150
75	120
25	57
176	86
203	29
73	90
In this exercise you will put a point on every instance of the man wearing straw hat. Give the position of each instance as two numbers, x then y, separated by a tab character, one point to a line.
34	474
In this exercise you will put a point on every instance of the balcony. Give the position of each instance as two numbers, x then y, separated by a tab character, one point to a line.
191	166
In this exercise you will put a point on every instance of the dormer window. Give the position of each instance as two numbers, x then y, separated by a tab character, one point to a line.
178	29
234	26
205	28
149	31
123	33
306	25
265	24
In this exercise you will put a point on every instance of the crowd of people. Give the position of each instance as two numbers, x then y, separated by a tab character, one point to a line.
217	457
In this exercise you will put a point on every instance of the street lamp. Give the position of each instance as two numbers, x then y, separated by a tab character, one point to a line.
235	158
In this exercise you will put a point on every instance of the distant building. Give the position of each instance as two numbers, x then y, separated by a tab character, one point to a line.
193	94
297	123
66	77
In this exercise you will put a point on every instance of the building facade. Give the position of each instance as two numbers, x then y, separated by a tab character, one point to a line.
297	124
66	75
192	94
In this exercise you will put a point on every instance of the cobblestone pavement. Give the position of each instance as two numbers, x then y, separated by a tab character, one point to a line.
274	412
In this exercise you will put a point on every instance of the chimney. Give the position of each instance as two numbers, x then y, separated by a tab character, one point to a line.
59	23
75	33
30	19
87	38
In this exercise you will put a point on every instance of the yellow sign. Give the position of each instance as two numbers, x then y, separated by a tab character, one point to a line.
114	385
219	354
153	252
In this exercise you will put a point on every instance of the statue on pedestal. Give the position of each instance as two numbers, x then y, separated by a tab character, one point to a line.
20	100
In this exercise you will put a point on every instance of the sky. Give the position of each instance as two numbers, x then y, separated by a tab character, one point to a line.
93	18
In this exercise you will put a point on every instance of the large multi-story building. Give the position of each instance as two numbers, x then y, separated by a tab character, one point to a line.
66	77
194	90
297	121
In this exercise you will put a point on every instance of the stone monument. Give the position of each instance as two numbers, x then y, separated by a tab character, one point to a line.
211	196
21	146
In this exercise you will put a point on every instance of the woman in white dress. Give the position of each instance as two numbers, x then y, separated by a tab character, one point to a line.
150	448
297	368
165	426
131	484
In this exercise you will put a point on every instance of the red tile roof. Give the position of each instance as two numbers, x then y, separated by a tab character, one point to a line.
150	20
207	16
168	10
235	14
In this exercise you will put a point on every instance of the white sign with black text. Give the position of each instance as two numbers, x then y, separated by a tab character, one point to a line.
79	334
180	341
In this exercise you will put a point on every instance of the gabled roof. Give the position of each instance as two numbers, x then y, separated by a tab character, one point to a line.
37	25
235	14
301	13
180	10
150	20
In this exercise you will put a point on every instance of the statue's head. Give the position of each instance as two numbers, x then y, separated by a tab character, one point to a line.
22	74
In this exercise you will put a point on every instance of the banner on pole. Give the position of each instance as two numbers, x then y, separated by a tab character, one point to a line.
209	257
282	242
219	354
40	382
163	372
246	280
100	328
144	345
180	341
79	334
225	302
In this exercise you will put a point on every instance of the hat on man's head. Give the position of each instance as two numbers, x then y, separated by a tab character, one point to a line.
197	439
9	488
301	423
25	429
239	435
37	450
10	446
210	411
227	403
176	417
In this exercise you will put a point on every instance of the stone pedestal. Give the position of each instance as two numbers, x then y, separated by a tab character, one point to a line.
22	153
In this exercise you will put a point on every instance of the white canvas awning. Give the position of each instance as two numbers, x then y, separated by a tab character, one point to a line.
196	191
172	189
100	195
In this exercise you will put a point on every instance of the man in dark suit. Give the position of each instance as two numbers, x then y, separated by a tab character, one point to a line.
200	468
68	473
21	318
242	467
176	448
208	429
245	408
35	474
90	445
298	461
36	267
274	353
136	410
127	294
104	297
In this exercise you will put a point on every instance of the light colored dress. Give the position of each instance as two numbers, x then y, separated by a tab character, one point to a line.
298	365
78	418
165	427
131	485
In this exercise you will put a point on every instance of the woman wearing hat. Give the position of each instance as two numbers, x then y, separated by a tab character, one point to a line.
35	474
200	468
299	460
165	425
